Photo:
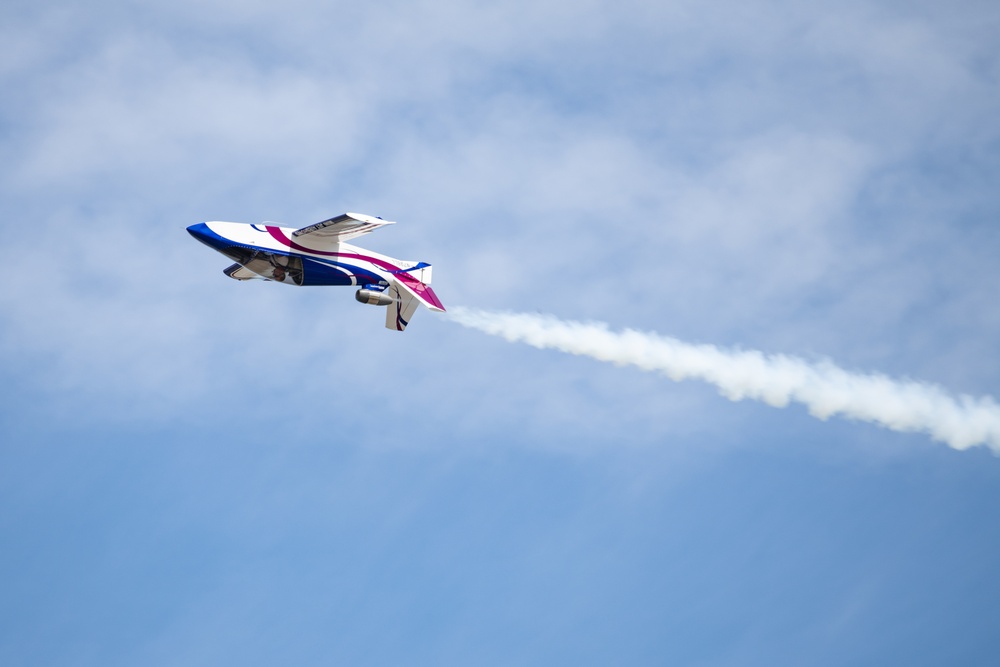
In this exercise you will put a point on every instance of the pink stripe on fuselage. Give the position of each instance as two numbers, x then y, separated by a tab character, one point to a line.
423	291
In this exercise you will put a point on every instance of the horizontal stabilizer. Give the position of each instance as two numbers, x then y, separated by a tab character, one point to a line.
419	270
422	291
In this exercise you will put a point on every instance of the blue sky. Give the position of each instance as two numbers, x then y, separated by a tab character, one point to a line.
198	471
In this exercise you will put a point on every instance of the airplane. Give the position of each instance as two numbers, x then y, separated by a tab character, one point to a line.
318	255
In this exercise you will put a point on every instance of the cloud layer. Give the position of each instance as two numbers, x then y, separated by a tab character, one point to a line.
760	173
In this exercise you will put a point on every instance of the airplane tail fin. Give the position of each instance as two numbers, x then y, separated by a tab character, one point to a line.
419	270
410	287
400	311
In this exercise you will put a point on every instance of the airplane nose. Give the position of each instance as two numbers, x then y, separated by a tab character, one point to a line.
199	231
206	235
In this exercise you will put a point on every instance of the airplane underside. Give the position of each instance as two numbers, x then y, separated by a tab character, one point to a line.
296	269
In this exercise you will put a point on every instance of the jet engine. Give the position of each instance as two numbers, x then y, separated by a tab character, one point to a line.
373	298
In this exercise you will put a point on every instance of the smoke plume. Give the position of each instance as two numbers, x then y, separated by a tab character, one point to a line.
824	388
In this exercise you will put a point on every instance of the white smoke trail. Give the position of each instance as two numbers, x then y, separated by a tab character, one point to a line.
824	388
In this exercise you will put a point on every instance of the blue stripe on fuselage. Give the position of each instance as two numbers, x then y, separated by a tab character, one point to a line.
315	271
328	272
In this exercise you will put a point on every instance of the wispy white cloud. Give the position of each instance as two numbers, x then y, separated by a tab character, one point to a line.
707	169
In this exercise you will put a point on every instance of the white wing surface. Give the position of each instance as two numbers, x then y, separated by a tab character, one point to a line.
240	272
400	311
342	228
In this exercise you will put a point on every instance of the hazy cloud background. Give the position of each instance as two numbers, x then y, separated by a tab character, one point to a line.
195	470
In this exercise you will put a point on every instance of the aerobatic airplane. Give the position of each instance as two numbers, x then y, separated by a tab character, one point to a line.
318	255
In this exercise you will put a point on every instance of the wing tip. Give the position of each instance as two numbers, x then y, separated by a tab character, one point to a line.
371	219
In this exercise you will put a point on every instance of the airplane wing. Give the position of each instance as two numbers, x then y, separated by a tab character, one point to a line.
342	227
240	272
